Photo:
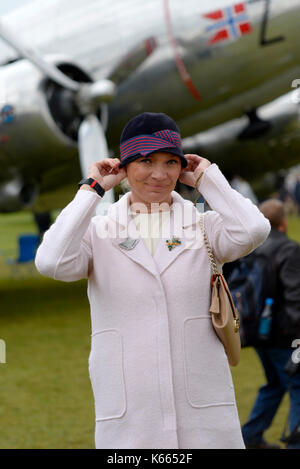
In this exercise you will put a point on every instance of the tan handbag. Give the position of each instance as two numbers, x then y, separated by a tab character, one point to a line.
225	317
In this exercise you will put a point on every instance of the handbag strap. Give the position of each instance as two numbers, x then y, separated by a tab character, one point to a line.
215	272
211	256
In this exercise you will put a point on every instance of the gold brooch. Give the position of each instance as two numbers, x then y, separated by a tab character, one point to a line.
172	244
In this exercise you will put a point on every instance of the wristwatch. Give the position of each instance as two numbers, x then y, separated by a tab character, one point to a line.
94	184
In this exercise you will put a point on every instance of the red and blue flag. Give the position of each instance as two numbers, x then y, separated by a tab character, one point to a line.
229	23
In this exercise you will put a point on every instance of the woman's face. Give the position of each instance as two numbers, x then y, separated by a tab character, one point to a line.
153	178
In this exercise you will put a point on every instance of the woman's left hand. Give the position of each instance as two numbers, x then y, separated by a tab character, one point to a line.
196	166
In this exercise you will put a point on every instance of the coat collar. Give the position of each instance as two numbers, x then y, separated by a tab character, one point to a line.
120	213
123	232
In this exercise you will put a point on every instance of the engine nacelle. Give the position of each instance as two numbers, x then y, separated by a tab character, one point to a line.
39	119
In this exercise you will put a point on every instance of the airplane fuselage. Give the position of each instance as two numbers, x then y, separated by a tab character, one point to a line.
189	70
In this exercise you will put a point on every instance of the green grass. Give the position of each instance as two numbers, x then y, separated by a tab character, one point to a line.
294	227
45	394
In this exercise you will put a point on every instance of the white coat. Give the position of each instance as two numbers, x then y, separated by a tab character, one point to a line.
159	374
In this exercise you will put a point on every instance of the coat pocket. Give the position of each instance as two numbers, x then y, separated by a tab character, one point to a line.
107	374
208	378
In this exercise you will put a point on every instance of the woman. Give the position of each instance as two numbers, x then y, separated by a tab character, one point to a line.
160	375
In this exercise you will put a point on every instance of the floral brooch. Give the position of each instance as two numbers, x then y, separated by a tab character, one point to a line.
172	244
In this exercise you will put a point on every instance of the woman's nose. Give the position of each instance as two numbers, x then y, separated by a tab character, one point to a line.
159	173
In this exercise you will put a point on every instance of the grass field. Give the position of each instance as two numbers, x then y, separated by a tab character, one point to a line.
45	394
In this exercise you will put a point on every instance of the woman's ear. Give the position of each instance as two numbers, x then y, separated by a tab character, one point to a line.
183	170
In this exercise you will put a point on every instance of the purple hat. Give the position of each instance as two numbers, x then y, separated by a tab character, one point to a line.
150	132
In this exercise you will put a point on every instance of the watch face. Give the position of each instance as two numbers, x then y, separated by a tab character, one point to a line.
84	181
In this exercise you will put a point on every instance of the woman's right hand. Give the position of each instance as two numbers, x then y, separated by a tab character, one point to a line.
107	172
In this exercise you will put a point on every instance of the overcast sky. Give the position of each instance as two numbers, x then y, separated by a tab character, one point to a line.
6	6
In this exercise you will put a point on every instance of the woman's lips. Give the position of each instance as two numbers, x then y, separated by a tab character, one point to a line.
156	187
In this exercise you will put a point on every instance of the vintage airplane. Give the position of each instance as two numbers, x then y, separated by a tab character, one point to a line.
73	73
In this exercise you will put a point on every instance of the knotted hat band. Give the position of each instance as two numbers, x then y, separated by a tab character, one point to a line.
145	144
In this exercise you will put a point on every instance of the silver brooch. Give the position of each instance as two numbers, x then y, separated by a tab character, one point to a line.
129	243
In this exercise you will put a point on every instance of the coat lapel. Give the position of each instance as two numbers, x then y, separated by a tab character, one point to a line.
126	238
163	257
184	217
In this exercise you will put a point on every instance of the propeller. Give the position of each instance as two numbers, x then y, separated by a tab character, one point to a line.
48	69
92	141
92	144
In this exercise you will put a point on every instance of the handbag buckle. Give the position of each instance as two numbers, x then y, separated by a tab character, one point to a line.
236	324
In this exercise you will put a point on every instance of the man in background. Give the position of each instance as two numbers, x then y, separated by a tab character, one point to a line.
275	354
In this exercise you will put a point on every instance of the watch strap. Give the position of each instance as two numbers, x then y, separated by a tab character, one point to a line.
94	184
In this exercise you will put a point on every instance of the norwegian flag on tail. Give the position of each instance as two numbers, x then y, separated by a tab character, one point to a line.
229	23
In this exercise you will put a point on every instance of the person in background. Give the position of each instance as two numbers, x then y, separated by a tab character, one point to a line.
297	192
275	354
244	188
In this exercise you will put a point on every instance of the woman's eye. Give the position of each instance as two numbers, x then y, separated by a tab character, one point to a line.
146	160
172	162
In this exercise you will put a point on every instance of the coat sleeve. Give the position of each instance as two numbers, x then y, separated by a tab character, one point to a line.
235	226
65	252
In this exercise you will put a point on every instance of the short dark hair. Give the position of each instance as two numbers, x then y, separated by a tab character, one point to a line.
274	210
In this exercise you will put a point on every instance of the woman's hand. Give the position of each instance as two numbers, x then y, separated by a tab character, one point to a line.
193	171
107	172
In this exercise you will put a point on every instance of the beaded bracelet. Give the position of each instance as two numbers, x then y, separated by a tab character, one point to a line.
198	179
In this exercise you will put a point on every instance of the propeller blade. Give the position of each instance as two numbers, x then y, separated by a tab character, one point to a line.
91	95
93	147
48	69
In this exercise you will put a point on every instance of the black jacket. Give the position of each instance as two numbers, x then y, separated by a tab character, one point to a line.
284	254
